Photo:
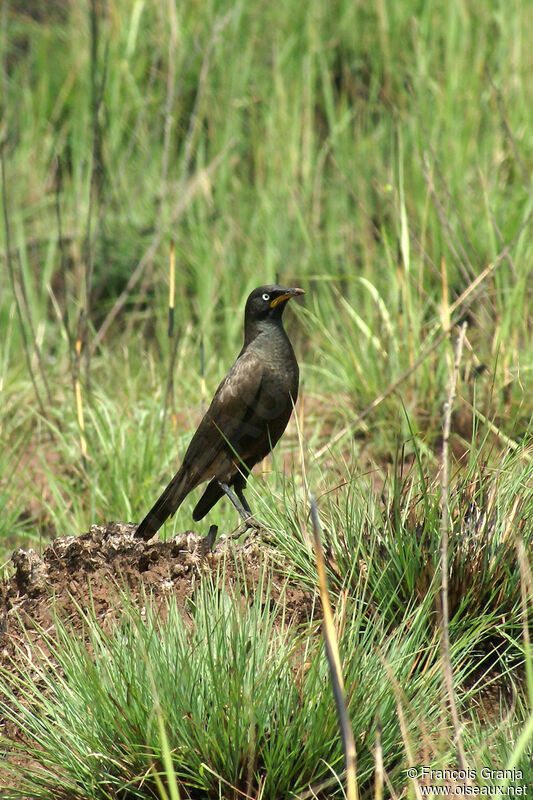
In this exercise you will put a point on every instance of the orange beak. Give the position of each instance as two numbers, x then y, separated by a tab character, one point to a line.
287	296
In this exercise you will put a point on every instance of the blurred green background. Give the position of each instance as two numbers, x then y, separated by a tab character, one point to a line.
380	157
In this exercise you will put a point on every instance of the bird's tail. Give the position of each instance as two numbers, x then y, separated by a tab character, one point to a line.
165	506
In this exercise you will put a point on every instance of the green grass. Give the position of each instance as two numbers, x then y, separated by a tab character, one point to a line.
244	699
378	157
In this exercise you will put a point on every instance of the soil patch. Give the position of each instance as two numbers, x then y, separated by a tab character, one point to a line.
89	571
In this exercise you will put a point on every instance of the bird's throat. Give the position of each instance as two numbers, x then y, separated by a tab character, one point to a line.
263	333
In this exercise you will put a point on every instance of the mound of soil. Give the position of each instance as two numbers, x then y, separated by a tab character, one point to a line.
89	571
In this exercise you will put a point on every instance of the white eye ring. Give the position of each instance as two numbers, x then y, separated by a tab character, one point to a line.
265	297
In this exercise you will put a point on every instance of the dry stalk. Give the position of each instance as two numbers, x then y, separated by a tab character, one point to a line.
445	533
334	661
169	394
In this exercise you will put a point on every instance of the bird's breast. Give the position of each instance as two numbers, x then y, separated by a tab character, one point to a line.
279	383
276	355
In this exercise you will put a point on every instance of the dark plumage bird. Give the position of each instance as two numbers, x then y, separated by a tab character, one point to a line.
247	416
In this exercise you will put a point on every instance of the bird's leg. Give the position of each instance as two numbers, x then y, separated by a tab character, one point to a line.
241	504
239	491
250	522
245	513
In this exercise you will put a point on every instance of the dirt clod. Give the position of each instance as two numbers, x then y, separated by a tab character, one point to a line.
87	571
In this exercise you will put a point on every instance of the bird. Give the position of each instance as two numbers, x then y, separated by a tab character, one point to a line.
248	414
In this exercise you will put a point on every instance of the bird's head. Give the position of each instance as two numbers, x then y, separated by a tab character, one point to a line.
268	302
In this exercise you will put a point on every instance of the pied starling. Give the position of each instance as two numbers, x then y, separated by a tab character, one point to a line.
247	416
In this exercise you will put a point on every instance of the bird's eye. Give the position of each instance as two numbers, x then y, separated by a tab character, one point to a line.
265	297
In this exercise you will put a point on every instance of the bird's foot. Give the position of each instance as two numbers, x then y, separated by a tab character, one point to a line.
244	510
250	522
250	528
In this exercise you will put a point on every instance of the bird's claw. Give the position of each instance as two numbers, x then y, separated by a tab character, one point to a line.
250	528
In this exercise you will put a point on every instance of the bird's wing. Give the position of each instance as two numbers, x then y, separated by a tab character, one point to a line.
231	421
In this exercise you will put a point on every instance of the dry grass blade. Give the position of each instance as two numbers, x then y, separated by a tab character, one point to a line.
171	289
516	447
526	591
169	393
335	668
445	526
378	761
77	389
400	698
